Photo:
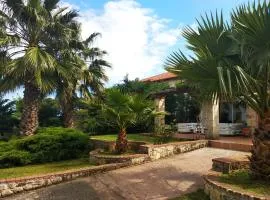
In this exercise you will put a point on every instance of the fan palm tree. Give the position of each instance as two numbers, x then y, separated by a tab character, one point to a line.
28	28
88	78
122	110
232	62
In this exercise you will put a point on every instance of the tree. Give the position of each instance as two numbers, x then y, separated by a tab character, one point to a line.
28	30
88	78
7	120
232	62
49	113
138	87
122	110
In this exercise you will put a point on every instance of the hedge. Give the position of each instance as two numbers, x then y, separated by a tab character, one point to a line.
49	144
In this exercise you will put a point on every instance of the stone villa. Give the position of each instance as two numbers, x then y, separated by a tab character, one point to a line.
220	118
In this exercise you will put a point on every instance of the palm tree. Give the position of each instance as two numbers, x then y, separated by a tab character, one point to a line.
232	62
121	110
87	79
28	28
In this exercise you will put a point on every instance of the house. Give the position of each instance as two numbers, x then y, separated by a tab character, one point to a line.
218	118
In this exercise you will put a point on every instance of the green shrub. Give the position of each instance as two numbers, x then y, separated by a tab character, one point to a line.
49	144
164	133
14	158
54	144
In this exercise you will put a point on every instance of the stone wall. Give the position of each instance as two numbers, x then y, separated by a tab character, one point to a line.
164	150
97	157
110	145
13	186
219	191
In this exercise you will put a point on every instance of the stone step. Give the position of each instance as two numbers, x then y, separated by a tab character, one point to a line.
230	145
228	164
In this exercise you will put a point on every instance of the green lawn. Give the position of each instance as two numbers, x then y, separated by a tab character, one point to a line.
241	179
198	195
30	170
131	137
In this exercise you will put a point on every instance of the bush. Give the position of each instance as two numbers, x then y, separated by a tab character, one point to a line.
14	158
49	144
164	133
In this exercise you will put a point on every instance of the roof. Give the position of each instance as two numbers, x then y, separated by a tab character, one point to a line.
160	77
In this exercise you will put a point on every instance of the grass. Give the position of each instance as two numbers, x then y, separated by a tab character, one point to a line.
241	180
30	170
198	195
132	137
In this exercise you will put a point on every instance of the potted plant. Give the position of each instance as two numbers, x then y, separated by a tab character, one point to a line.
246	130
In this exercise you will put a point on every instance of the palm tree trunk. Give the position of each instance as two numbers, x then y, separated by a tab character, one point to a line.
260	158
29	119
121	142
68	114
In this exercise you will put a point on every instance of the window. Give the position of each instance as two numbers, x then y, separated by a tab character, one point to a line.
232	113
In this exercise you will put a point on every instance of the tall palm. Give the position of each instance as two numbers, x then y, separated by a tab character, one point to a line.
27	30
88	78
251	25
239	71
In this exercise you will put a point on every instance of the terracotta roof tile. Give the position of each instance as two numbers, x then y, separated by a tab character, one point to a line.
160	77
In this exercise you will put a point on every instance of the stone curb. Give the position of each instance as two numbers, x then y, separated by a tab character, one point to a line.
219	191
16	185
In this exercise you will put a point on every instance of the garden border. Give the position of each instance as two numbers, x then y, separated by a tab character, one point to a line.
220	191
15	185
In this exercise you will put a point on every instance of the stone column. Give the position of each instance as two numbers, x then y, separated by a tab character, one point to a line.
252	118
160	107
210	119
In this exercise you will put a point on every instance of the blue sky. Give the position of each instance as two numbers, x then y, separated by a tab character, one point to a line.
139	34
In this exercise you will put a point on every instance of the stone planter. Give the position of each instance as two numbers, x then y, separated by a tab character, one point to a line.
100	159
164	150
110	145
222	191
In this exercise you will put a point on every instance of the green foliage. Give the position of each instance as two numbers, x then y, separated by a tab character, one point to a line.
117	109
231	61
123	110
49	144
182	108
138	87
7	119
28	52
14	158
41	169
243	180
164	133
49	113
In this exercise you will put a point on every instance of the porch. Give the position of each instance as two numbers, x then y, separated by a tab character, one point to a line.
238	143
215	119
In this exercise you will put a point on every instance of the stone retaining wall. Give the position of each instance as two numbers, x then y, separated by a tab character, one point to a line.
12	186
219	191
164	150
110	145
96	156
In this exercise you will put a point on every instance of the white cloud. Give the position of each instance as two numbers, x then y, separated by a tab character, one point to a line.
136	39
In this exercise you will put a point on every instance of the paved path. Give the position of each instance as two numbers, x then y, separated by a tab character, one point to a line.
162	179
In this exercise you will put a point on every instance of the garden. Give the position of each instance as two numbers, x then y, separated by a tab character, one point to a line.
42	53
